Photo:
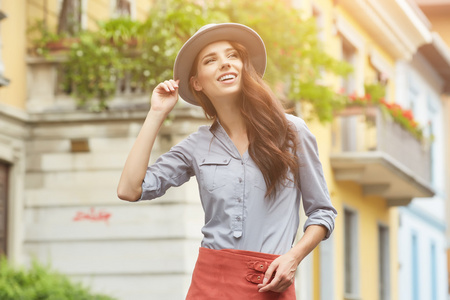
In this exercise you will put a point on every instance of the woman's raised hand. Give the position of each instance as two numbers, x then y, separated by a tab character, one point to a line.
165	96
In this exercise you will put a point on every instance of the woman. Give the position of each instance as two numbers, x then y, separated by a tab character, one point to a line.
253	165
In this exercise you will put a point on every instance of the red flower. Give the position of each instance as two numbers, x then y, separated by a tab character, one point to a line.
408	114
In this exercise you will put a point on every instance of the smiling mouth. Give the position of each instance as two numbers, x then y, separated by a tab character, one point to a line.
227	77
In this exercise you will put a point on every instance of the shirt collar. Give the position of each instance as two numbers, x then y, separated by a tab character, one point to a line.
219	132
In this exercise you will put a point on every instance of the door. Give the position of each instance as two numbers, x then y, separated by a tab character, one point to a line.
4	171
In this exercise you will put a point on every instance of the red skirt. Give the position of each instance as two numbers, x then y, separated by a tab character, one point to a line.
232	274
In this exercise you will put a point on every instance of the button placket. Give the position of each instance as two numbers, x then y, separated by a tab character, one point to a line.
238	216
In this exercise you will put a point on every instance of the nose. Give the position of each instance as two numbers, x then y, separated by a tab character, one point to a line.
225	65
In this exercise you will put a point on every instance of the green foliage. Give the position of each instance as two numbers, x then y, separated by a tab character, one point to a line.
144	52
376	91
92	69
41	36
168	26
296	57
121	31
40	283
122	48
374	96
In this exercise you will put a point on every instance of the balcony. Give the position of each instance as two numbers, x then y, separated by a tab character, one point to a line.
385	159
45	92
46	96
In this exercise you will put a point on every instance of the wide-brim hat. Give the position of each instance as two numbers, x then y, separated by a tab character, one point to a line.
211	33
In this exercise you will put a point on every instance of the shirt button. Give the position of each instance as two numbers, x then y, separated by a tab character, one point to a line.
224	160
238	218
240	179
239	199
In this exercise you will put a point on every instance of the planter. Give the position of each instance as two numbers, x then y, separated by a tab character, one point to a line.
62	44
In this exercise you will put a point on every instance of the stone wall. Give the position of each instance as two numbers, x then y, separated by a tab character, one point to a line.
74	220
13	133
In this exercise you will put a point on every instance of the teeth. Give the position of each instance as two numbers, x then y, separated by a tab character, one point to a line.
228	76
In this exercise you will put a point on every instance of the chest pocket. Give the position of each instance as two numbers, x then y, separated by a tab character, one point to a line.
215	172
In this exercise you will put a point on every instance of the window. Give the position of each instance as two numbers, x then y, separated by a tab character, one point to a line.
433	277
352	47
349	55
318	16
432	153
3	80
350	253
415	266
434	120
383	262
122	8
70	15
4	171
413	95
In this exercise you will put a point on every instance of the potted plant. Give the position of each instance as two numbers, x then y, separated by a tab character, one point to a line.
374	97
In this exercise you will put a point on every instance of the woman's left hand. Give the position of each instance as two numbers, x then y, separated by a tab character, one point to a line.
283	268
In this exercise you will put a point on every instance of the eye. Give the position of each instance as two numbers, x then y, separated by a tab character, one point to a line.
233	55
208	61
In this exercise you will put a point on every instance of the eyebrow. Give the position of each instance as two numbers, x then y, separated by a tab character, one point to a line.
214	53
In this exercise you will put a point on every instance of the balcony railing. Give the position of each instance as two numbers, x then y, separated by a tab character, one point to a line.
374	151
45	91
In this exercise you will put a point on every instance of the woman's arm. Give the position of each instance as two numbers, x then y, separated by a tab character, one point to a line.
317	206
164	98
286	265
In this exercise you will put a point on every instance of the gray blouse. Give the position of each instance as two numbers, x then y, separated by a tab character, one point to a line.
232	191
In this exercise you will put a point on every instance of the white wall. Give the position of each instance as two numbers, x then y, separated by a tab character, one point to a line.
424	217
428	231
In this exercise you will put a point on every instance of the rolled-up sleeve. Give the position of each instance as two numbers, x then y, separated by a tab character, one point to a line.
315	195
171	169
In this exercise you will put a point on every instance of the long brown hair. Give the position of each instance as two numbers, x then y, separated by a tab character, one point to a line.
272	138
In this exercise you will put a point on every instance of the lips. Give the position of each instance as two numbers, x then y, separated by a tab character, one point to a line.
227	76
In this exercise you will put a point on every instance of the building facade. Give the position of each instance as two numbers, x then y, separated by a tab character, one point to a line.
437	55
59	166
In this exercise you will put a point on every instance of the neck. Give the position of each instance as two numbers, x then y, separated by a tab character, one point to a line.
232	121
229	113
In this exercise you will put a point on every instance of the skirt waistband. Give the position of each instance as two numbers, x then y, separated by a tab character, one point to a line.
232	274
232	261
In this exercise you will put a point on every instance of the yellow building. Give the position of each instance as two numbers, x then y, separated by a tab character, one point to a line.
372	166
59	166
13	93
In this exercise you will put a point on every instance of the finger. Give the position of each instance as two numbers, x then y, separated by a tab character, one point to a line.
270	272
162	87
278	284
175	83
282	287
281	284
272	286
268	275
170	84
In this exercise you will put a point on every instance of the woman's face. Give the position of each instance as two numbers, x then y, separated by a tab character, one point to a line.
219	72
